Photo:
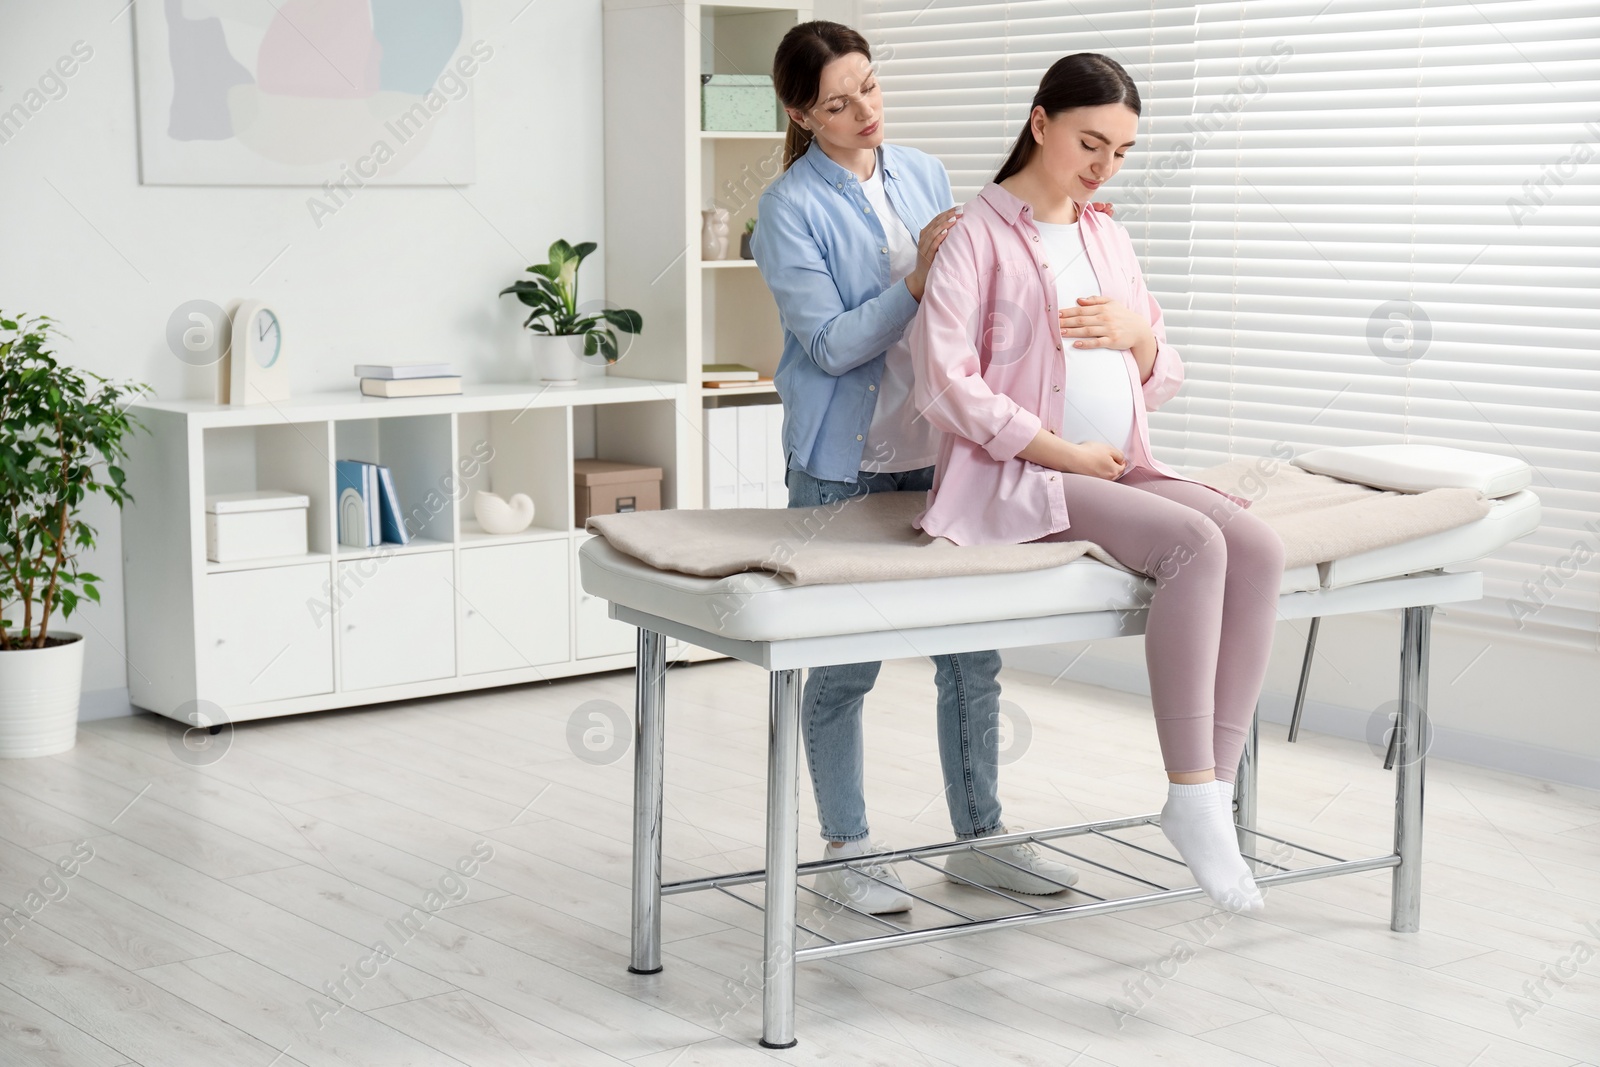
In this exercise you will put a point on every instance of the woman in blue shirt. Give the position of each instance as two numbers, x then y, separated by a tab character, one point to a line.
844	240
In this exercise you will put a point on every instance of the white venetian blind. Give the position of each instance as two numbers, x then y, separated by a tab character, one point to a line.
1365	222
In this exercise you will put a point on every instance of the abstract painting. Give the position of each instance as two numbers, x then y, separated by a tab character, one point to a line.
334	93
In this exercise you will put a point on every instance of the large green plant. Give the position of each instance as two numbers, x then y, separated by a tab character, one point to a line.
553	296
59	427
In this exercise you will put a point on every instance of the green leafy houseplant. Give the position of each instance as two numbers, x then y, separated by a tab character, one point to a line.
58	427
553	296
744	238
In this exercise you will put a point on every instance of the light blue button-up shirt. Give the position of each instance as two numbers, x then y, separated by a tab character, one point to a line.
824	254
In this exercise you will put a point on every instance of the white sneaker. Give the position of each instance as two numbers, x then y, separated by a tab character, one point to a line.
981	868
851	885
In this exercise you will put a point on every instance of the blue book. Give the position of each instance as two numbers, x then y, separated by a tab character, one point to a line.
357	527
392	525
369	474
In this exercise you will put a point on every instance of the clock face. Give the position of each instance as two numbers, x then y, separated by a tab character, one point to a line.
265	338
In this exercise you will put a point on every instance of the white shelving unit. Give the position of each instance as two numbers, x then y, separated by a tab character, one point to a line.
700	311
455	609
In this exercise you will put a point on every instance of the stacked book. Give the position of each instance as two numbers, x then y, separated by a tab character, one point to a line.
369	507
408	379
730	376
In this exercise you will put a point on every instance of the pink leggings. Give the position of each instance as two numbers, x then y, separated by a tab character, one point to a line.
1208	633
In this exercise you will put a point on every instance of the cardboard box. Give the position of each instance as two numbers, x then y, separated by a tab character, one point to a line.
606	487
255	525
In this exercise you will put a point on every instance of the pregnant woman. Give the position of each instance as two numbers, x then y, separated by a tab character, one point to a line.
845	240
1047	440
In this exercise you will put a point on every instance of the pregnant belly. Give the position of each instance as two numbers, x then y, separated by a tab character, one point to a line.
1097	404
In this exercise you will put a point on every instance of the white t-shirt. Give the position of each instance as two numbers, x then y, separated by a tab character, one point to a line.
899	439
1097	404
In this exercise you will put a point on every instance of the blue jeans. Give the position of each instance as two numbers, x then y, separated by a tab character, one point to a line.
830	705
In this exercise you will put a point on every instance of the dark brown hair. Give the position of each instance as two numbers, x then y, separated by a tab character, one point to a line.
1084	79
797	72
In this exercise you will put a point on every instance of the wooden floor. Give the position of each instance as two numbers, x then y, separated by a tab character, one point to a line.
228	908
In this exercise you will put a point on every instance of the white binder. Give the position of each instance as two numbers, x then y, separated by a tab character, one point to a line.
722	457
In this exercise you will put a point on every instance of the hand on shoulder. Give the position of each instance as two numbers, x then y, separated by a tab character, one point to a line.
1109	221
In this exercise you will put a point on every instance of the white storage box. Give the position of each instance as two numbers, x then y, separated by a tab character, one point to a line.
255	525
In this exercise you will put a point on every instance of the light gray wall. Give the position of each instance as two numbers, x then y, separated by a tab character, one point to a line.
845	11
397	273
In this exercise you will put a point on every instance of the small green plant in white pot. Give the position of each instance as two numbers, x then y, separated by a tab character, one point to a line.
558	326
61	434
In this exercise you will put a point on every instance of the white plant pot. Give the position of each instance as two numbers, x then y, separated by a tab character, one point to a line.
39	689
555	358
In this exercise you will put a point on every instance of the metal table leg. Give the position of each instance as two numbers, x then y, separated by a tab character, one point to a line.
1410	750
1305	679
783	855
649	708
1244	786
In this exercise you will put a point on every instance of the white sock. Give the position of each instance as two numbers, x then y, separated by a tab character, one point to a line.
1225	791
1199	827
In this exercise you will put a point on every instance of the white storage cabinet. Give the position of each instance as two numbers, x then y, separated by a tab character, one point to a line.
336	626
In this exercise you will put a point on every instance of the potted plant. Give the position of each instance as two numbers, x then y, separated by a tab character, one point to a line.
61	434
744	238
557	322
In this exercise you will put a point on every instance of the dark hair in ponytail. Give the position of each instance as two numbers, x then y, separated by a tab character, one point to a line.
1085	79
797	72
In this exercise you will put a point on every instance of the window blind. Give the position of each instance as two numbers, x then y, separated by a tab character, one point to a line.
1364	223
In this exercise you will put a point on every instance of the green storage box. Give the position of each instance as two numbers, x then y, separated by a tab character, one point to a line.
732	103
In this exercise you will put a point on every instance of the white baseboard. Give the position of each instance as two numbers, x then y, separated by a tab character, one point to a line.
95	704
1479	750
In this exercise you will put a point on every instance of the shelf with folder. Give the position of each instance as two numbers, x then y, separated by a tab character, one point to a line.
417	451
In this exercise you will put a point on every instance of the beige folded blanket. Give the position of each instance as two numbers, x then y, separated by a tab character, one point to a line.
870	538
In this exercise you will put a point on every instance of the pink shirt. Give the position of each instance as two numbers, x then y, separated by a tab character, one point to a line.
991	366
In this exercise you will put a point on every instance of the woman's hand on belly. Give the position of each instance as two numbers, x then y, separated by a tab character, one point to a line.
1102	322
1097	459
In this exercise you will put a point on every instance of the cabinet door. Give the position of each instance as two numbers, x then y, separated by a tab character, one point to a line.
395	620
269	635
598	634
512	606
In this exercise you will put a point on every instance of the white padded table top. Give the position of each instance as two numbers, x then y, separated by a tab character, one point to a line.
759	607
